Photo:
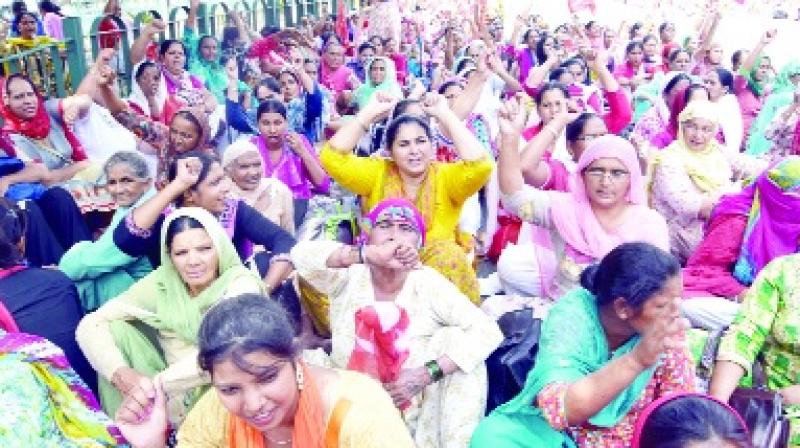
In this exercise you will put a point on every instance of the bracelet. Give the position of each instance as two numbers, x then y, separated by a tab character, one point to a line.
434	370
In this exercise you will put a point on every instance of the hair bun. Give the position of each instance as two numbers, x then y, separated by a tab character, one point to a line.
588	277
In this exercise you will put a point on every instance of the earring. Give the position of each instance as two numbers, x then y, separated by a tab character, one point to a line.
299	373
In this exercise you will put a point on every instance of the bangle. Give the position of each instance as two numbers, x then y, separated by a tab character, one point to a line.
434	370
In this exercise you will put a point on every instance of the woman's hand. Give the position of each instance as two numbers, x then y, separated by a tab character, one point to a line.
512	116
391	255
127	380
769	36
435	105
380	105
187	173
791	394
232	70
74	107
296	143
408	385
142	416
664	334
154	28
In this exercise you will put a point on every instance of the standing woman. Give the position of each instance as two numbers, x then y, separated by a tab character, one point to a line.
438	190
53	19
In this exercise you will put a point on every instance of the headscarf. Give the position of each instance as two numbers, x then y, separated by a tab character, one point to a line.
772	227
389	84
395	208
39	126
237	149
708	168
166	154
757	87
781	96
138	97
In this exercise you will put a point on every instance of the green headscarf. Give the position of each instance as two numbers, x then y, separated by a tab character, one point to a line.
212	73
365	91
562	360
781	96
757	87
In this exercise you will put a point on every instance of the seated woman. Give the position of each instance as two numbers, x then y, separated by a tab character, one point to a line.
147	97
690	420
691	175
765	329
100	269
438	190
264	394
44	402
152	327
606	351
381	77
606	207
244	166
429	349
41	135
682	98
782	132
782	95
745	232
657	117
39	301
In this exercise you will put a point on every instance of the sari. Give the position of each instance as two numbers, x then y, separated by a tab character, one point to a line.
389	84
45	403
781	96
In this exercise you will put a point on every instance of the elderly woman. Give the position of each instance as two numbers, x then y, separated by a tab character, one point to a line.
100	269
438	190
381	76
605	207
606	351
264	394
428	349
244	166
765	329
152	327
691	174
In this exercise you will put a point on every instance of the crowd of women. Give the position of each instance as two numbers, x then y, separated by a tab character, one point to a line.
275	238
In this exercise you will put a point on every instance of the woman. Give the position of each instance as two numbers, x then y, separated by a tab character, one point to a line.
651	58
764	329
430	354
264	395
782	133
656	118
44	402
41	134
624	351
304	100
53	19
682	98
752	84
100	269
678	60
152	327
690	420
691	174
333	73
40	301
781	96
605	207
147	97
243	164
719	83
380	77
631	74
439	190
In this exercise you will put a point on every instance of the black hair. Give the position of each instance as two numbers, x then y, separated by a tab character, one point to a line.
541	56
179	225
674	82
230	34
736	57
13	224
49	6
166	44
548	86
21	76
632	271
589	24
577	60
236	327
692	419
144	66
15	24
402	106
366	46
443	88
18	7
527	34
556	74
725	78
673	55
206	161
634	29
190	117
394	126
649	37
691	89
270	106
202	39
270	83
575	129
632	45
462	62
663	27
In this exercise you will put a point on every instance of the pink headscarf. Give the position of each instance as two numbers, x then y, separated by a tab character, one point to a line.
399	207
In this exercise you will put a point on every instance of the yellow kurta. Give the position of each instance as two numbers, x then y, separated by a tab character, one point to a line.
371	422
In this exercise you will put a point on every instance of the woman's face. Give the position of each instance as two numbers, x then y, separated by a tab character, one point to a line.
174	59
691	45
124	186
183	134
593	128
289	87
377	71
265	401
715	88
149	81
608	38
668	33
550	46
607	182
312	69
635	56
412	150
211	193
662	305
715	54
208	49
681	62
650	48
669	98
396	229
193	253
263	93
553	103
698	132
272	126
365	55
27	26
533	37
247	170
698	94
577	71
763	69
451	93
22	99
334	56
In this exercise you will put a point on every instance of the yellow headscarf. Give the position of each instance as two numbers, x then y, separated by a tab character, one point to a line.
708	168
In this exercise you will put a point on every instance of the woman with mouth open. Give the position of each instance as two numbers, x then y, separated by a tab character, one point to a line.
264	394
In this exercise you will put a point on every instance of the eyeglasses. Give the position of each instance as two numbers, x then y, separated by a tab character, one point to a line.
614	175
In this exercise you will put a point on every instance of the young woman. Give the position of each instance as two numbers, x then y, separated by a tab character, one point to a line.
199	267
719	83
381	279
632	73
657	117
752	84
264	394
622	352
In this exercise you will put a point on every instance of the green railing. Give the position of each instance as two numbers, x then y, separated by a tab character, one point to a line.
60	74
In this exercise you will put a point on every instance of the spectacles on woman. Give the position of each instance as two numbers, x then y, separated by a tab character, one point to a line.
614	175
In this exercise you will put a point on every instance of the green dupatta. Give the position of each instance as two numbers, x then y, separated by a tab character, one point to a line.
212	73
561	360
781	96
365	91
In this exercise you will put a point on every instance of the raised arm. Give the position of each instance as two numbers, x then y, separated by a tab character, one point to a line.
465	103
534	169
139	47
188	172
466	144
348	136
765	40
512	120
